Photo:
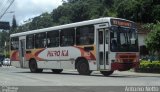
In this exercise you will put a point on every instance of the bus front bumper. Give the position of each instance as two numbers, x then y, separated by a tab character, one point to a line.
124	66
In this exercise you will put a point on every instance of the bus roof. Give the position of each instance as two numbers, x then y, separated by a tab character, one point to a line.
71	25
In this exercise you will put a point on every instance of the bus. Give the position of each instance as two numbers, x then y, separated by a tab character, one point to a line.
104	44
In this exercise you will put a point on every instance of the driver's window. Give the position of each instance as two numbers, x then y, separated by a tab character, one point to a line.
113	36
113	40
122	38
133	37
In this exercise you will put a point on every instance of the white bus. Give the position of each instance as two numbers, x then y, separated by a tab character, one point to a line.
105	44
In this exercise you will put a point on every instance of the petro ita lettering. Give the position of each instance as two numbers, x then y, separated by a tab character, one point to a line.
57	53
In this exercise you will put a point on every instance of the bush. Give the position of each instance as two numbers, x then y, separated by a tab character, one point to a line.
146	66
7	55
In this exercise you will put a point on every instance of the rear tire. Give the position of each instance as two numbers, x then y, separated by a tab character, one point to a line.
33	67
83	67
57	71
106	73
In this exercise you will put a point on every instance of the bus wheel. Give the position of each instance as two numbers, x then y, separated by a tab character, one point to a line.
33	67
83	67
57	70
106	73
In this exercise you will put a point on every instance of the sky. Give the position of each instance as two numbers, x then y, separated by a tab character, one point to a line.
25	9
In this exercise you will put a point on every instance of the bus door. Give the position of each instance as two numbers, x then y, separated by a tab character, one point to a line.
102	46
22	47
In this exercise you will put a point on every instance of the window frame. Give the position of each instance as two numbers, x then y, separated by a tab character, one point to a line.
92	36
71	35
41	41
16	43
54	38
33	41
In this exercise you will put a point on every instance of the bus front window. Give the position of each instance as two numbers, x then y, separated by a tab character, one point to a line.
123	39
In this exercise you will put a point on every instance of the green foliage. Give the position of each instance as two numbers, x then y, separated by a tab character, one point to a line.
42	21
145	11
156	13
128	9
153	39
4	37
79	10
14	23
146	66
7	55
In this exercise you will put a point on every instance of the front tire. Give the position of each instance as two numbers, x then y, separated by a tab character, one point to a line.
57	71
83	67
106	73
33	67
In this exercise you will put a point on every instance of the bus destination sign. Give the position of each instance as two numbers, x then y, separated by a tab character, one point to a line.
118	22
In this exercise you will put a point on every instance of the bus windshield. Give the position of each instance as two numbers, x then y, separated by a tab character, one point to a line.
123	39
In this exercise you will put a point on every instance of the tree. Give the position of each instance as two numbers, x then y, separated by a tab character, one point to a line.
14	23
153	39
144	11
156	13
4	37
42	21
79	11
129	9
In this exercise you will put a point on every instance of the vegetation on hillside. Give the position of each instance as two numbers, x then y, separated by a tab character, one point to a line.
141	11
144	11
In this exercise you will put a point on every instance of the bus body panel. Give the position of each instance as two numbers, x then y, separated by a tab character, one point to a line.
14	57
56	58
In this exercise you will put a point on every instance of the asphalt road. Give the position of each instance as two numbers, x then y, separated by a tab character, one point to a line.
21	80
11	76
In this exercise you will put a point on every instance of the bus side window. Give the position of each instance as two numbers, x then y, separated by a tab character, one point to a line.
40	40
85	35
53	38
67	37
30	41
14	43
